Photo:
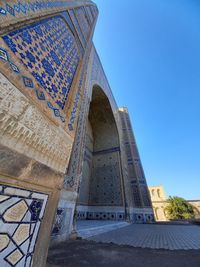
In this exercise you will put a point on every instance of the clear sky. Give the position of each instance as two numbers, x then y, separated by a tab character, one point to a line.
150	51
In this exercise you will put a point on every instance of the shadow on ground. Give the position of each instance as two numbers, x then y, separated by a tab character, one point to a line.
82	253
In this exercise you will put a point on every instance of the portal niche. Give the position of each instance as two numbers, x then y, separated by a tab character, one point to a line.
101	184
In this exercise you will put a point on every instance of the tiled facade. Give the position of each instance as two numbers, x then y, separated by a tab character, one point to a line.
49	70
49	52
136	177
21	213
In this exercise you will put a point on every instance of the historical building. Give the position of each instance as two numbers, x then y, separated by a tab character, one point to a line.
159	203
67	151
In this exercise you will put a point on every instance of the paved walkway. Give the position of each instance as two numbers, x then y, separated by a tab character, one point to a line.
172	237
88	228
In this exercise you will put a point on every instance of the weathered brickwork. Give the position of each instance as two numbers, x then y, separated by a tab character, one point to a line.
62	150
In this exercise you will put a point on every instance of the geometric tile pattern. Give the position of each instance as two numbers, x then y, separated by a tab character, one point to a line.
83	21
77	26
18	7
59	221
83	107
21	213
105	183
28	82
89	14
77	157
49	51
71	25
134	167
71	180
85	215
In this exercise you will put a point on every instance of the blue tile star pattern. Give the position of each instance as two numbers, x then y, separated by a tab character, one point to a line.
49	51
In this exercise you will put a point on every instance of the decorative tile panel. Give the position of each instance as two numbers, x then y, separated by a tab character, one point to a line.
83	22
88	215
3	54
77	37
76	24
105	181
21	214
14	10
49	51
59	221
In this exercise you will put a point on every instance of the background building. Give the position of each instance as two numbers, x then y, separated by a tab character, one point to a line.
159	202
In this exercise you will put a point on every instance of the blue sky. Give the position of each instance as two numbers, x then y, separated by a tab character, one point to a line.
150	51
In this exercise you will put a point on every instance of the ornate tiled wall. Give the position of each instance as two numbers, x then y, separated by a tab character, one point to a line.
48	50
49	67
44	52
17	11
140	202
59	221
21	214
105	184
99	215
45	56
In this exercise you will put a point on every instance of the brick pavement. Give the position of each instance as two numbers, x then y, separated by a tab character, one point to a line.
172	237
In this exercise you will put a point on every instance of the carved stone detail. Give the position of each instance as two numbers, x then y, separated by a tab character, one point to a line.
25	129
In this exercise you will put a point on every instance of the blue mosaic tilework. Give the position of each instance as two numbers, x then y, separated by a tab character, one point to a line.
21	213
93	11
89	14
73	115
49	51
68	20
72	172
83	22
3	54
14	67
75	22
29	84
13	9
59	222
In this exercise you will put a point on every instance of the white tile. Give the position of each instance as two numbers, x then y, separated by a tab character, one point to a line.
15	191
39	196
34	237
24	247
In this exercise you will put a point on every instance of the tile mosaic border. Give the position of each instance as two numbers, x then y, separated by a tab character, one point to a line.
21	214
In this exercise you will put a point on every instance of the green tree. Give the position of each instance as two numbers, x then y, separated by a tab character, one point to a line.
178	208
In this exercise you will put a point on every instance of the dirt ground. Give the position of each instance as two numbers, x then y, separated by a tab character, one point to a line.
83	253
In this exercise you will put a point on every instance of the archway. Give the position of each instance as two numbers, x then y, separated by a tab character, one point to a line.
101	187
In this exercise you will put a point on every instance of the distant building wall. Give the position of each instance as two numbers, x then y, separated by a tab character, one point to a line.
159	202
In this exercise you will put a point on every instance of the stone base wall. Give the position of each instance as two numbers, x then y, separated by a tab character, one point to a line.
141	215
100	213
